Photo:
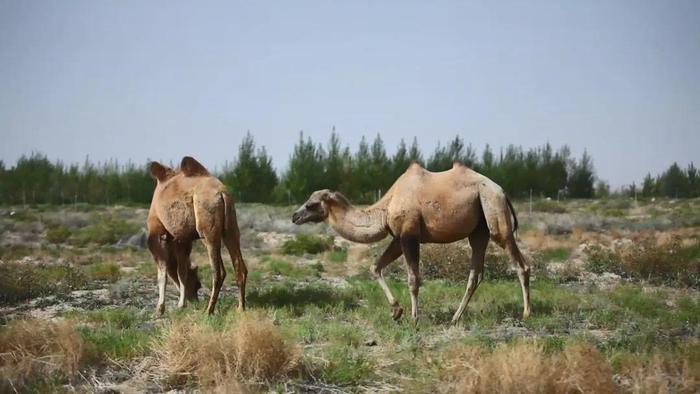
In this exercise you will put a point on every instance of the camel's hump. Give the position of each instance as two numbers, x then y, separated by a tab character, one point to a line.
191	167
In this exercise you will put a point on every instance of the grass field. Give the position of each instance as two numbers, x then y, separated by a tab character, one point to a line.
615	293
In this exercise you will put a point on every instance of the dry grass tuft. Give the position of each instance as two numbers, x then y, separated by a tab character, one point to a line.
32	349
663	374
249	348
524	367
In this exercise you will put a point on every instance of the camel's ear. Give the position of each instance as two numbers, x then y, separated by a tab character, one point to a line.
191	167
158	171
327	195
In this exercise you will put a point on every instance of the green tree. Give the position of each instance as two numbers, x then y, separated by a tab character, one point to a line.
582	177
305	172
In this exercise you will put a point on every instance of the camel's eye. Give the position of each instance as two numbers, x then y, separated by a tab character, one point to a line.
312	206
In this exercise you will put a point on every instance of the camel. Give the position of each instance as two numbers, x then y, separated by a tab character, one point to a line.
189	204
427	207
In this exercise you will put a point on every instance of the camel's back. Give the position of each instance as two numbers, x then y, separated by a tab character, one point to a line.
446	204
173	201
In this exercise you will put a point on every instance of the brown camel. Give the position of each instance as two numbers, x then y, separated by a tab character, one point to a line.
189	204
427	207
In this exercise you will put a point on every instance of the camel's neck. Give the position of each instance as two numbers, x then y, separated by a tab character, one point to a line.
359	225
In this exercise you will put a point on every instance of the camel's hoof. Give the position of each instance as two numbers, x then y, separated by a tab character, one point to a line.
396	312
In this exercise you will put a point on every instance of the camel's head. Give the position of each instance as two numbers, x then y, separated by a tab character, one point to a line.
193	284
316	208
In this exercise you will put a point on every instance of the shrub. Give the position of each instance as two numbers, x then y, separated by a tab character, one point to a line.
600	260
249	348
36	350
23	281
58	234
668	263
304	243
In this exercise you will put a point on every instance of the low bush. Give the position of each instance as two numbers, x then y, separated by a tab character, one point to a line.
305	243
600	260
671	263
58	234
24	281
668	263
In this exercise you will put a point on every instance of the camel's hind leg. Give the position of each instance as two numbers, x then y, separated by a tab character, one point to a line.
508	243
213	245
479	240
232	240
390	255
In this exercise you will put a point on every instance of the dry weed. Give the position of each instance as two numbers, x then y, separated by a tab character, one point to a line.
664	375
249	348
33	349
524	367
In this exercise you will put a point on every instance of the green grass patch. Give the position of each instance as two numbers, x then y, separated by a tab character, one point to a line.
338	255
285	268
116	333
305	243
555	254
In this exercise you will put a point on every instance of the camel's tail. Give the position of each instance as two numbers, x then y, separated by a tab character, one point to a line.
226	212
512	211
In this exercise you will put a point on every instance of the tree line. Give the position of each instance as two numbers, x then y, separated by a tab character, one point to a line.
363	174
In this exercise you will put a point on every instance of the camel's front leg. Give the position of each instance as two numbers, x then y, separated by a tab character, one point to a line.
411	252
479	240
182	255
390	254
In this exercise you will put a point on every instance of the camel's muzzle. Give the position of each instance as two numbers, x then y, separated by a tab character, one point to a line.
298	218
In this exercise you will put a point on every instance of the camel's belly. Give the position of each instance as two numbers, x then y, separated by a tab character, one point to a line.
438	221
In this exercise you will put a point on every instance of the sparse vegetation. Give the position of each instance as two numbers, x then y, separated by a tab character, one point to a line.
106	230
635	334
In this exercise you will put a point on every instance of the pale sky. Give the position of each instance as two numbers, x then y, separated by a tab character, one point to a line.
134	80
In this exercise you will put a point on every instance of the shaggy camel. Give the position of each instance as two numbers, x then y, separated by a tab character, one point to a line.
189	204
427	207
